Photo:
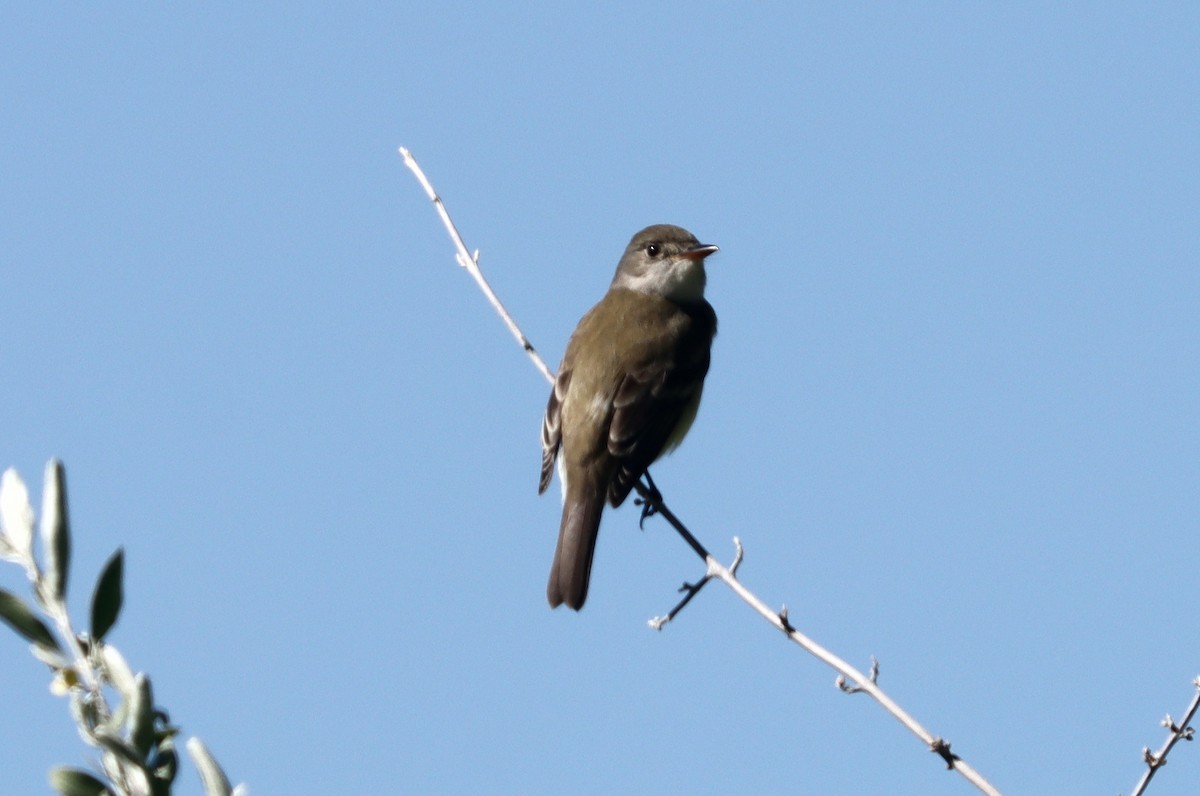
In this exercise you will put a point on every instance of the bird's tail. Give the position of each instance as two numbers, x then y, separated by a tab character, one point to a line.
576	543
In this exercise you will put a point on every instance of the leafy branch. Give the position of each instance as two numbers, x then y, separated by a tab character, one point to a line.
112	706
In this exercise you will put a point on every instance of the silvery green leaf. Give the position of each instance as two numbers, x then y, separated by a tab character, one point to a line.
214	779
107	598
137	778
118	715
17	615
108	739
165	764
114	769
16	514
56	531
54	658
86	716
128	776
119	673
73	782
141	717
165	768
120	757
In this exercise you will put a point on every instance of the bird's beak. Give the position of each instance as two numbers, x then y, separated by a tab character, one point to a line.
699	252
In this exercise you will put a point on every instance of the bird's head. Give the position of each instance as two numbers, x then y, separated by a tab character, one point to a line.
664	260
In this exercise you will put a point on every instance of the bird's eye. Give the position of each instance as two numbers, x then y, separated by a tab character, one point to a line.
654	250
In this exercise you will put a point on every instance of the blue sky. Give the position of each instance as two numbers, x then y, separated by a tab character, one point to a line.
953	413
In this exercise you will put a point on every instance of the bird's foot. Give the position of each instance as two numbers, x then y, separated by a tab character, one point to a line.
649	502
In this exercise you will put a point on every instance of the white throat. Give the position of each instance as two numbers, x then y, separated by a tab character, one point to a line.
680	279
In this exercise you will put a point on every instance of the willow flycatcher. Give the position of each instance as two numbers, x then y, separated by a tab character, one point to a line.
627	391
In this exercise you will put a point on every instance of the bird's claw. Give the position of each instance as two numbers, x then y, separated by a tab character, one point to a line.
649	503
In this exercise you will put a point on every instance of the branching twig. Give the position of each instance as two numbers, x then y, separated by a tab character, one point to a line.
692	590
655	505
1176	732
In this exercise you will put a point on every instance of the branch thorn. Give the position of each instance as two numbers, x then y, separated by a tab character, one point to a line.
941	747
737	556
783	619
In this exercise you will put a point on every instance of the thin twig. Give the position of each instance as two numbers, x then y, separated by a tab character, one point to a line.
690	590
850	679
1176	732
470	262
859	681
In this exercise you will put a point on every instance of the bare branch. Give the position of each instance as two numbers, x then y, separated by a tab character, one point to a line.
1175	732
470	262
653	503
859	681
847	673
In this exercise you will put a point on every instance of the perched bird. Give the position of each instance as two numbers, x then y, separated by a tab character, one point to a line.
627	391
